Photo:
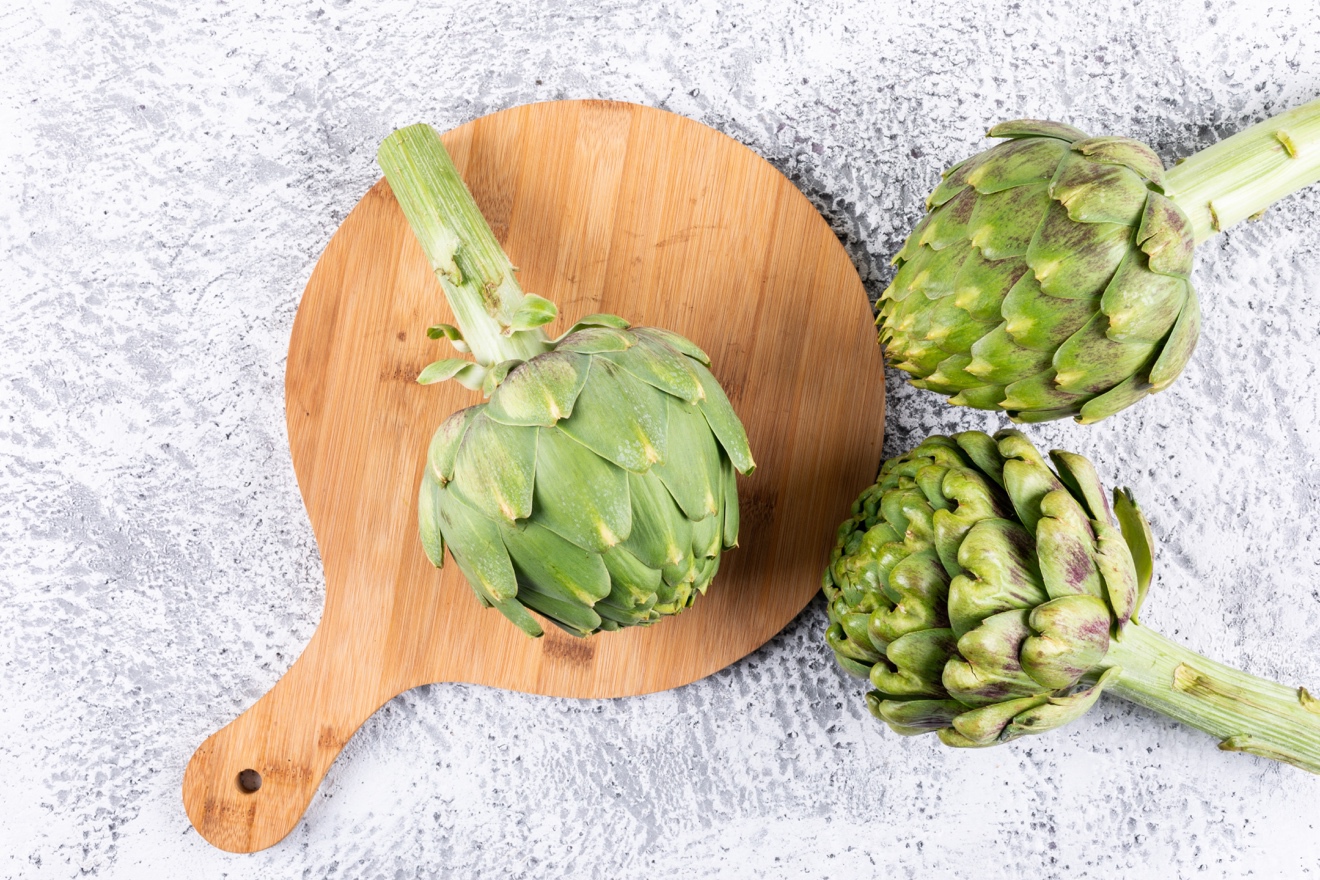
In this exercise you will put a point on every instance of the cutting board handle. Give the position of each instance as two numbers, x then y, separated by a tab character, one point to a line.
250	782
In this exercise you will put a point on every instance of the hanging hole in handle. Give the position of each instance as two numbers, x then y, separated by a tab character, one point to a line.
249	781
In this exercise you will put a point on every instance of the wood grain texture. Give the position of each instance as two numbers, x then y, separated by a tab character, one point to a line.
605	207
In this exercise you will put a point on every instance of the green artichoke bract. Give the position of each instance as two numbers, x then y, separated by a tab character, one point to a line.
986	596
596	485
1051	274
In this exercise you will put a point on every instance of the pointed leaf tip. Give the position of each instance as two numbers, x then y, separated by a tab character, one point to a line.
441	370
534	311
1136	533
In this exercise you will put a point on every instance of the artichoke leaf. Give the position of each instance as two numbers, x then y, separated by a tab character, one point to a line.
918	586
1037	321
534	311
443	451
691	470
1091	362
596	340
1094	192
941	270
428	520
918	659
1121	396
983	452
620	418
1037	393
600	319
861	669
474	542
441	370
999	573
1017	163
1059	710
706	537
1076	260
675	341
982	284
541	391
516	613
991	397
986	666
729	485
948	225
1142	305
1135	155
661	534
1071	636
495	468
1004	224
1165	235
1118	570
1026	477
724	422
911	717
1027	128
579	495
1080	477
984	726
555	567
860	652
1141	543
1065	544
573	618
998	360
1177	349
659	366
632	582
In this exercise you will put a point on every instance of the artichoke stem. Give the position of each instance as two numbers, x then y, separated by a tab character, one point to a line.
1243	175
1246	713
473	270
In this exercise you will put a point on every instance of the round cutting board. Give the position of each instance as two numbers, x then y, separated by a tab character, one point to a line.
604	207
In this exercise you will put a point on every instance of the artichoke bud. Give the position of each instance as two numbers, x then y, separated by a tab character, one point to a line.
594	485
1001	624
1049	278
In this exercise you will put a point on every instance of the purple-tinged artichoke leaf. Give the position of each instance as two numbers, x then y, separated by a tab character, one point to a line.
1178	348
1093	192
1126	152
1071	636
1018	163
1141	543
1065	544
1016	128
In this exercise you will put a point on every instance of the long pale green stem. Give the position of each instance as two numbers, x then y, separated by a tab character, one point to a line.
475	273
1246	713
1246	173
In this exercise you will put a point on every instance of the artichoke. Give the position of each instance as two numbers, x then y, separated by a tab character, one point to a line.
986	596
1051	274
596	485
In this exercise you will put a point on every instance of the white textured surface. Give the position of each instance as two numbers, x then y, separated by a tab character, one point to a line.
170	175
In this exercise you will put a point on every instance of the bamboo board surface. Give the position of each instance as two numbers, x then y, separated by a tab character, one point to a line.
605	207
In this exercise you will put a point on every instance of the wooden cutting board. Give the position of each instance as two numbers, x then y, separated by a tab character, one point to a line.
605	207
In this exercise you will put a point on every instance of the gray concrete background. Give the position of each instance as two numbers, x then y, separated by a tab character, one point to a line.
171	173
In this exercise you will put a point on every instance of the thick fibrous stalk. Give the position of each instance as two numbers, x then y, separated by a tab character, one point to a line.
1243	175
475	273
1246	713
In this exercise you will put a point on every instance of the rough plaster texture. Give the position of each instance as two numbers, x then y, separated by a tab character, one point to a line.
171	173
